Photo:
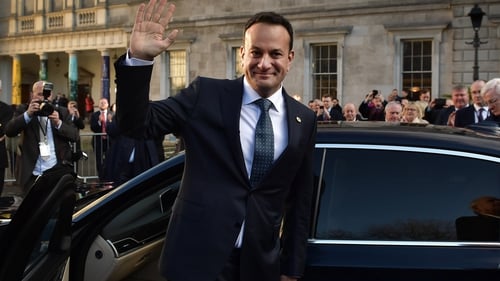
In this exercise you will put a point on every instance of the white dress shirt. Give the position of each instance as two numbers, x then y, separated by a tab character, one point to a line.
250	113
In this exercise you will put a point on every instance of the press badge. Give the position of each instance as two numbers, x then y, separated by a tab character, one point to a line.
44	150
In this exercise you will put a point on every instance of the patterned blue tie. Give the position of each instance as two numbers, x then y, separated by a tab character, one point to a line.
264	143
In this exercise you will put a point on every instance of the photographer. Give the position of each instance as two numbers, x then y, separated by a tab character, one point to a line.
45	132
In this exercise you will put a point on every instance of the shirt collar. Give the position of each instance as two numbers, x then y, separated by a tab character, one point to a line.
250	95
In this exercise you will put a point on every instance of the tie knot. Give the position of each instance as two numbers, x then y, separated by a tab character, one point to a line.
481	110
264	104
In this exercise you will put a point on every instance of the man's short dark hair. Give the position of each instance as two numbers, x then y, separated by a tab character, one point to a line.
271	18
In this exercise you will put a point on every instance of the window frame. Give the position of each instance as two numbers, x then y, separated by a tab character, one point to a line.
321	150
417	32
181	44
321	36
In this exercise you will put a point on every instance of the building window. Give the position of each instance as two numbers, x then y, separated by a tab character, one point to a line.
324	70
29	8
56	5
88	3
417	64
236	59
176	61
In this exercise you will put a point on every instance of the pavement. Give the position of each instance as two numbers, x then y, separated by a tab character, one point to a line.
11	189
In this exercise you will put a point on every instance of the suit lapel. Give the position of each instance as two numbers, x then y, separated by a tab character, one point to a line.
230	104
294	121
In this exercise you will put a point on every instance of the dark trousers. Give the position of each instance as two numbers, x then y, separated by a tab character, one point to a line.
2	179
231	271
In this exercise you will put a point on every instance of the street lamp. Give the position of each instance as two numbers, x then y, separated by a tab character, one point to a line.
476	17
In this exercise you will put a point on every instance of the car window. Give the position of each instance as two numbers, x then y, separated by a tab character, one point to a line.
372	194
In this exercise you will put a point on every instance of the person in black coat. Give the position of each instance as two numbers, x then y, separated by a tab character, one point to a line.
6	113
128	157
477	111
460	98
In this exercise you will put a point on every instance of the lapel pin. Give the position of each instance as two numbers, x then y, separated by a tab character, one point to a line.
298	119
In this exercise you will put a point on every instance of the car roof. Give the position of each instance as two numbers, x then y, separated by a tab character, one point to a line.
406	134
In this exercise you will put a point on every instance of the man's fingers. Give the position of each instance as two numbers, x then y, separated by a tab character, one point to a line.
148	12
167	17
171	37
139	17
159	11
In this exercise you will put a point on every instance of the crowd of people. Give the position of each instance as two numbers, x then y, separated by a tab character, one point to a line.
28	134
44	134
465	106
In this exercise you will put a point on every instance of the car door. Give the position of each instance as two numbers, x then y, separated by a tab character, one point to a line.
403	213
120	235
36	244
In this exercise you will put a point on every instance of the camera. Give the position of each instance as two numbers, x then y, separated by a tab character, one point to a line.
374	92
321	107
46	107
439	103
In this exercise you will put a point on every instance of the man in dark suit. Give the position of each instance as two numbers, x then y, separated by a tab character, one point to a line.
6	113
45	139
460	99
101	143
223	227
476	112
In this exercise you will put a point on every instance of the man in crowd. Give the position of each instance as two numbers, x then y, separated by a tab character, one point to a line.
45	137
460	99
98	123
475	113
393	112
491	98
6	113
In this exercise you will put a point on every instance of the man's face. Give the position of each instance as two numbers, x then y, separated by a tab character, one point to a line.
475	92
103	104
492	100
426	97
393	114
349	113
460	98
327	102
377	102
265	57
37	92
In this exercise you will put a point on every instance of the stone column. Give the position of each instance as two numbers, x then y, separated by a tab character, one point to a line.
73	76
43	72
16	79
105	75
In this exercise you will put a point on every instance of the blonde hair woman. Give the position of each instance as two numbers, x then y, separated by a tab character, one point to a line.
412	114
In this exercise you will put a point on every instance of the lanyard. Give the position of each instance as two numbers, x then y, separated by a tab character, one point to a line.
44	131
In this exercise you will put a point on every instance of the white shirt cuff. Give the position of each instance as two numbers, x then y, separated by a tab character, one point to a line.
136	62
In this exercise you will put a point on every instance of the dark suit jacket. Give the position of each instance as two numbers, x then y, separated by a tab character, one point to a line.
215	195
31	136
117	167
6	113
444	114
465	116
97	128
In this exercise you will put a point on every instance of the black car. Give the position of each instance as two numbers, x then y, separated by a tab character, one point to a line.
391	202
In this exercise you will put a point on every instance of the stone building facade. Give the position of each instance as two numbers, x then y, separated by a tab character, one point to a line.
342	48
